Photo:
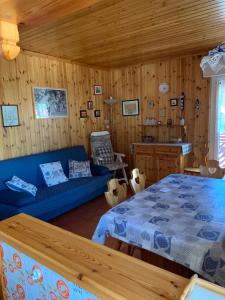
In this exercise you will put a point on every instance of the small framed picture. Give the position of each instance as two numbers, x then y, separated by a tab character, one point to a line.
90	105
98	89
174	102
97	113
10	115
130	107
151	104
169	122
83	113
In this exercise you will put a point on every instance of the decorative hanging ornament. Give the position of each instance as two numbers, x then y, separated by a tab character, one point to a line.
164	88
197	107
182	101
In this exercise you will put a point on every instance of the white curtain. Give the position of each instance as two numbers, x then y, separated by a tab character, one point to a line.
217	120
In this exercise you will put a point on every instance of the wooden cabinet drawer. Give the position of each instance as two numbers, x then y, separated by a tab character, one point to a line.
145	149
167	150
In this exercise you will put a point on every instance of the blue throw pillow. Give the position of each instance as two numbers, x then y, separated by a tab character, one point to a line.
18	185
53	173
78	169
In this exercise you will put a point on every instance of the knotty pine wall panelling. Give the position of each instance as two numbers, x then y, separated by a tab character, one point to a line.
142	81
34	135
138	81
195	87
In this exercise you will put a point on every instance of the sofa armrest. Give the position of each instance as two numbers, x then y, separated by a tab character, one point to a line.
98	170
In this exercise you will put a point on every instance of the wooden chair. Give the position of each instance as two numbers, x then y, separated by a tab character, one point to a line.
195	170
212	163
212	169
116	192
137	181
137	184
103	154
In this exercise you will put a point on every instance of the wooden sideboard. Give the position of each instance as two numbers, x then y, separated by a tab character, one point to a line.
54	264
158	160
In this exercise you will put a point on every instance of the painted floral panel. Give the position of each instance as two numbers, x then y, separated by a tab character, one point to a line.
24	278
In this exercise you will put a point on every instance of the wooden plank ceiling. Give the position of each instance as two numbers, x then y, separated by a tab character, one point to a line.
113	33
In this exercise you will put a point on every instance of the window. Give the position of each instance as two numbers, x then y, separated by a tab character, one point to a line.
217	121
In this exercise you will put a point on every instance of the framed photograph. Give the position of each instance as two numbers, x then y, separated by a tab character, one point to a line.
50	103
98	89
151	104
174	102
97	113
83	113
10	115
169	122
90	105
130	107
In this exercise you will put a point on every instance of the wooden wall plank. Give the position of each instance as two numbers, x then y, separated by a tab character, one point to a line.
138	81
17	79
142	81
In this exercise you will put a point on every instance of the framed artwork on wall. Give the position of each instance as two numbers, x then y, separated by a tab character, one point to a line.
90	105
97	113
130	107
98	89
83	113
10	115
50	103
174	102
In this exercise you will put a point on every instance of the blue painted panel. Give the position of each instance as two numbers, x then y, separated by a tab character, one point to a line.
199	292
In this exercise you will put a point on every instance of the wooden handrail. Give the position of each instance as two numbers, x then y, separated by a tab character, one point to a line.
106	273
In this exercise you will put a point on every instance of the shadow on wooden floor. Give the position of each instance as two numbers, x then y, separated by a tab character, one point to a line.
83	221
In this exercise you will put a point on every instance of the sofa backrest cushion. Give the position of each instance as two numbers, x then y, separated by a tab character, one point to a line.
28	169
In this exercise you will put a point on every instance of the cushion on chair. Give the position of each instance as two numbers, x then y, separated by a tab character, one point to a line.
116	166
53	173
78	169
18	185
106	155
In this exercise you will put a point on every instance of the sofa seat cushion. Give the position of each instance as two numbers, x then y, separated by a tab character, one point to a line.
69	191
76	187
17	199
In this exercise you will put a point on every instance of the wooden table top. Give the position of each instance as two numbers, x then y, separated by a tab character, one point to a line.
107	273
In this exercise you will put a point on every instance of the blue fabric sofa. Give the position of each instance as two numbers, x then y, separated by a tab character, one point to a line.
49	201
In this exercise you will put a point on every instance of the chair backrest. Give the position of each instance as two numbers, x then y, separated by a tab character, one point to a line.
212	163
137	181
100	140
116	192
214	172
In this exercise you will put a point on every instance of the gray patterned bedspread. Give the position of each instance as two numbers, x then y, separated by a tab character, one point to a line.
181	218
